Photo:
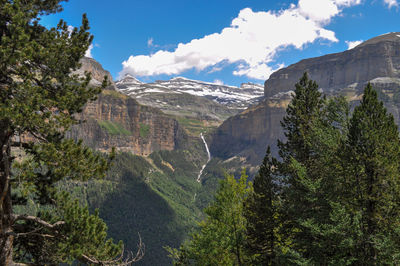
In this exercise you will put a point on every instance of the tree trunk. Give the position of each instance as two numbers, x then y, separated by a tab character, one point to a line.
6	239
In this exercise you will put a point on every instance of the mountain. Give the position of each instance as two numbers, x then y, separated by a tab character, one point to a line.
115	120
154	186
377	60
95	69
229	97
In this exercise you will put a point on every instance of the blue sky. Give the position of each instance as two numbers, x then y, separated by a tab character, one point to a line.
226	41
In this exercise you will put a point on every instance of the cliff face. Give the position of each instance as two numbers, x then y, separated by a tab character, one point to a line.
247	135
377	57
114	120
376	61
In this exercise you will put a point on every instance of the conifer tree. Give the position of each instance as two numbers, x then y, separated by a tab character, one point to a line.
302	112
220	239
38	100
314	129
373	181
297	161
261	213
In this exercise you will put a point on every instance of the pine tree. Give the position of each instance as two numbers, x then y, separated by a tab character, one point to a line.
302	112
38	100
220	239
300	185
261	213
314	128
373	181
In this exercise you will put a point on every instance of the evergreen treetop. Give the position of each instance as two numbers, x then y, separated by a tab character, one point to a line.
39	97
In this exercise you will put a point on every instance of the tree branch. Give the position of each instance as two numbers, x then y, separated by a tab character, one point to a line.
6	152
35	219
21	144
119	261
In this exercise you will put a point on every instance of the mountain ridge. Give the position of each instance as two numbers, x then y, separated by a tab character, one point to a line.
377	61
231	96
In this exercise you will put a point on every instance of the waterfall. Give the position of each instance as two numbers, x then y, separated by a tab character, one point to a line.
209	158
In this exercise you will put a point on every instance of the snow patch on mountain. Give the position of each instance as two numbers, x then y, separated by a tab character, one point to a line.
242	97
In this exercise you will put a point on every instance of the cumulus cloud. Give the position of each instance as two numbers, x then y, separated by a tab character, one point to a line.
391	3
88	52
251	41
352	44
323	10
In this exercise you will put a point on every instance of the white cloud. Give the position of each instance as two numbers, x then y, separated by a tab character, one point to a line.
150	42
352	44
323	10
88	52
219	82
70	29
391	3
252	41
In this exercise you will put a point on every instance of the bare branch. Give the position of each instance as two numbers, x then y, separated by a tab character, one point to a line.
130	259
21	144
35	219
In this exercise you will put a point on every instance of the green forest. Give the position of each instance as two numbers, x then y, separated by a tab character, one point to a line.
332	198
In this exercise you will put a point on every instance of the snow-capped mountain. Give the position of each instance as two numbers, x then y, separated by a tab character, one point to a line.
234	97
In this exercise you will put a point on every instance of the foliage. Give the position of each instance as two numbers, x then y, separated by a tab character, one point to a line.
114	128
152	199
261	213
144	130
39	97
84	235
220	240
372	175
115	94
333	199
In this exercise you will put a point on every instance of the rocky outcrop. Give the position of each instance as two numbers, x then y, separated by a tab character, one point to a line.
376	61
377	57
115	120
247	135
97	71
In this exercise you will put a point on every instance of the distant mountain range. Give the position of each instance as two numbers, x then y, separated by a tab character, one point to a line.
233	97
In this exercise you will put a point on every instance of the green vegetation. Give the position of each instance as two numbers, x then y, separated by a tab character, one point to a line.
195	126
332	199
114	128
39	98
156	197
144	130
220	238
115	94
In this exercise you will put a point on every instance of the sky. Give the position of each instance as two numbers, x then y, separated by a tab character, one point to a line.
223	41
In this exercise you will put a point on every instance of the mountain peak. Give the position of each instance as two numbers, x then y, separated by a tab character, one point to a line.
128	78
179	78
388	37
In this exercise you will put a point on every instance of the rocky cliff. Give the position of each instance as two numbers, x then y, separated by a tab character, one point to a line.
377	61
377	57
115	120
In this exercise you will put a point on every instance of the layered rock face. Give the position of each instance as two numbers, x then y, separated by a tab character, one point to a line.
247	135
377	61
377	57
114	120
